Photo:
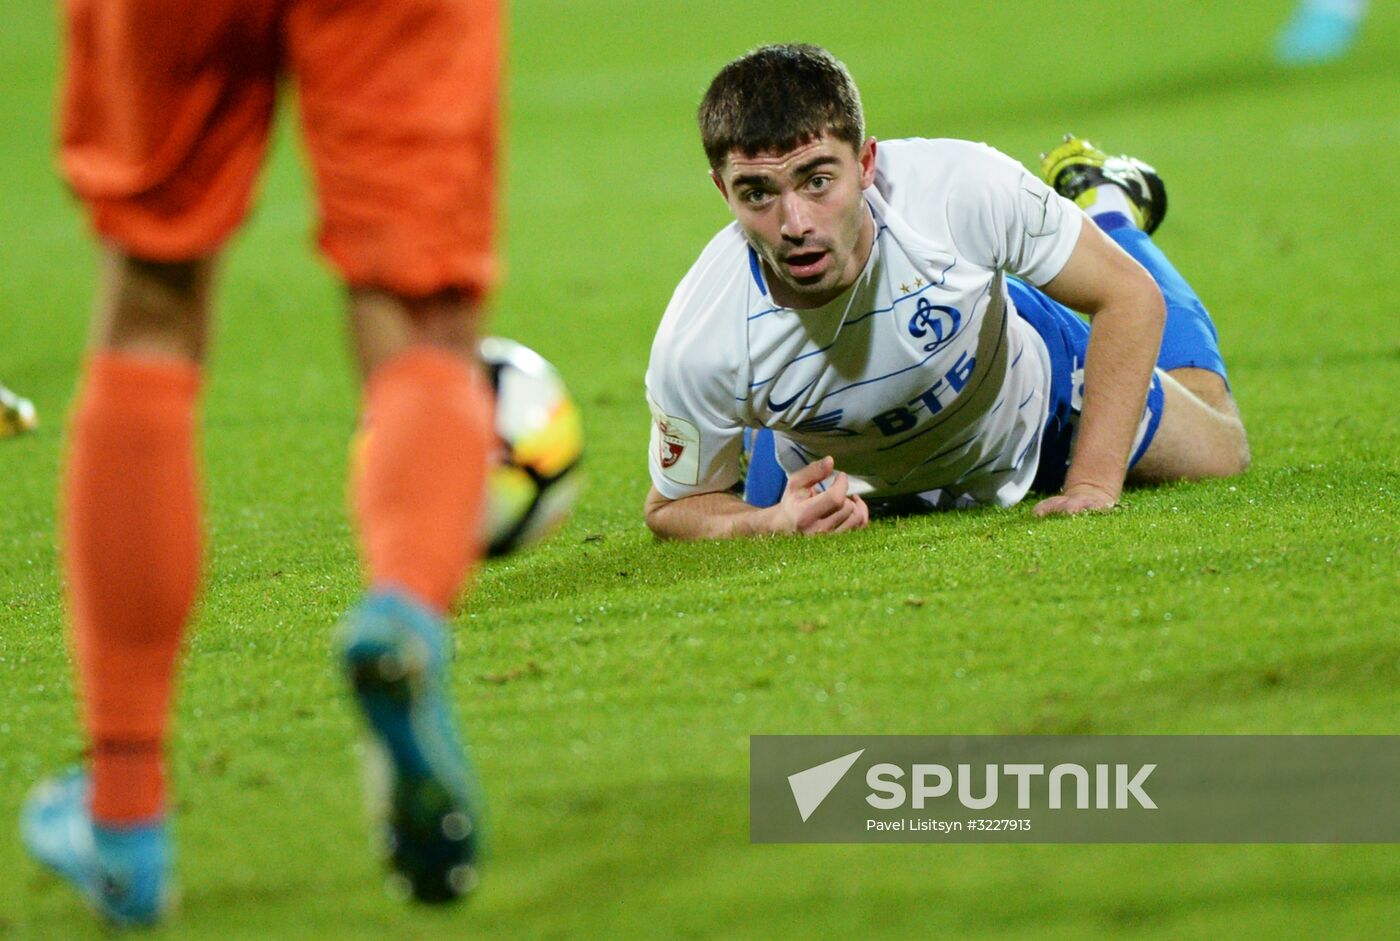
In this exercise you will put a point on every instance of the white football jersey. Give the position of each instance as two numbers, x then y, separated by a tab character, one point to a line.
919	378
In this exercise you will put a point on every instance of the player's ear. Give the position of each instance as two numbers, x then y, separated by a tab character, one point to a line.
719	184
867	163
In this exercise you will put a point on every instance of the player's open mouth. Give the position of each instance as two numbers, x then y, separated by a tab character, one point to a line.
805	265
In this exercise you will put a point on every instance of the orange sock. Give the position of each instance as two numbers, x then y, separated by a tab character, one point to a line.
419	481
131	555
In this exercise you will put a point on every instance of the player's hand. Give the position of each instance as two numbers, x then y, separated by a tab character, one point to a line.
1078	498
806	509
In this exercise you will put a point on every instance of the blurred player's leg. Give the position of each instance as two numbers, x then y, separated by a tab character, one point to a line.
16	414
131	538
165	112
418	485
420	471
1319	31
399	108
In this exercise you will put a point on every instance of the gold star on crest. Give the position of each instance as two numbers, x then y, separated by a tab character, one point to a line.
918	282
904	289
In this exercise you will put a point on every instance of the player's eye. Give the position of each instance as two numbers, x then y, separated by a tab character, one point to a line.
754	197
819	183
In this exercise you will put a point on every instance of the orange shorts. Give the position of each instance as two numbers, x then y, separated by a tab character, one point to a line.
167	106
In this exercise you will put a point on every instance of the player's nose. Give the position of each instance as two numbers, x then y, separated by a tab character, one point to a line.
795	220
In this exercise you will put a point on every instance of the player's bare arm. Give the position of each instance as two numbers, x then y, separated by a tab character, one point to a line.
804	508
1126	313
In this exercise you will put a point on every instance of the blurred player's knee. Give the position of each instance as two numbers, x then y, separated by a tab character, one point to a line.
420	472
385	324
153	308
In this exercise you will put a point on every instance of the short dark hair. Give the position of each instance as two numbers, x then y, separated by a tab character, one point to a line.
778	97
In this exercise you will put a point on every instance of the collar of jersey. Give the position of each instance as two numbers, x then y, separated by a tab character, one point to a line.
841	300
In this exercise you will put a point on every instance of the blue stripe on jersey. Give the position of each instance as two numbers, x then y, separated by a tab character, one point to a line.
866	382
946	451
925	430
881	378
1020	457
810	353
942	280
756	269
826	423
803	455
757	273
972	470
1027	399
943	277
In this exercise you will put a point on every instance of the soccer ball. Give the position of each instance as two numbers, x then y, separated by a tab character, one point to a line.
535	476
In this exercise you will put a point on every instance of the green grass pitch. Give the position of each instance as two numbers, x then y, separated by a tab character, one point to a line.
609	682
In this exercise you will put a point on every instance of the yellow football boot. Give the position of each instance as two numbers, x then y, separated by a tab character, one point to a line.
1076	168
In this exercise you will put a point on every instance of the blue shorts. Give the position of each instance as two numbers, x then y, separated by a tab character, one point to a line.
1066	336
1189	339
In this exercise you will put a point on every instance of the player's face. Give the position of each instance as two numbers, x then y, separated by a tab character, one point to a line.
804	213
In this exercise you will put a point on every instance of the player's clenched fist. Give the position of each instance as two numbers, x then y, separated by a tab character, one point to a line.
805	508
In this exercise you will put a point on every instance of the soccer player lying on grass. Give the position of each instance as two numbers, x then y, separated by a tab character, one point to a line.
166	113
895	322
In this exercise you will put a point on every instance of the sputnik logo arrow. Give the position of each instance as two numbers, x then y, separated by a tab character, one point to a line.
810	787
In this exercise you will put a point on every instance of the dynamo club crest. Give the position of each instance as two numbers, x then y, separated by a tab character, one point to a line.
935	321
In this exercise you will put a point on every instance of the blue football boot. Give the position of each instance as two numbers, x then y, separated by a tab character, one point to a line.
1315	34
122	872
395	656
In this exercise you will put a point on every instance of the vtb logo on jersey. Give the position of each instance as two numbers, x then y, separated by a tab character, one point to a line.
936	321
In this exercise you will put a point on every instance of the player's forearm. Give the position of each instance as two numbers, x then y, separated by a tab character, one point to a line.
707	516
1123	344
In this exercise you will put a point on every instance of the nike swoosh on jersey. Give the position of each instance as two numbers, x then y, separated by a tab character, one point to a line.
783	405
